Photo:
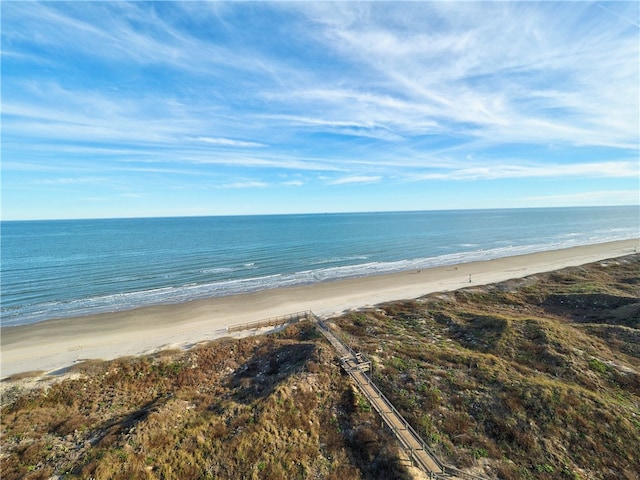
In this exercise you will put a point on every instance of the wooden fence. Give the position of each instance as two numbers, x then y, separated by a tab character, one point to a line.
272	322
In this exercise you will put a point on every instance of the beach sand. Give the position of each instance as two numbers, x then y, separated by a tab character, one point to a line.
53	346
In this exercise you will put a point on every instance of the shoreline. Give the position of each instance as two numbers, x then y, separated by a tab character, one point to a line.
52	346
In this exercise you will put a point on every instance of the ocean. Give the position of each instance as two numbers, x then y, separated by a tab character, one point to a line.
62	268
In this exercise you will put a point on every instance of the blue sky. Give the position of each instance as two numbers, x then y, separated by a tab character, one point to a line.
115	109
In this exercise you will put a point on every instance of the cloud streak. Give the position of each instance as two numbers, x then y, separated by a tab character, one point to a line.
621	169
245	184
228	142
355	92
598	197
356	179
495	77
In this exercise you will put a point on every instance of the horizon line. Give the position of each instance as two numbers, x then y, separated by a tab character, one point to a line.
221	215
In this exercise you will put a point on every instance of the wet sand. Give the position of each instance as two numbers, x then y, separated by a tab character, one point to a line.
54	345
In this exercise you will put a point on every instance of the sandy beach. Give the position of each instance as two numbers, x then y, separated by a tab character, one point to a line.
54	345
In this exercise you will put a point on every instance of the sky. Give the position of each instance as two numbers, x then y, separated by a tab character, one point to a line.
118	109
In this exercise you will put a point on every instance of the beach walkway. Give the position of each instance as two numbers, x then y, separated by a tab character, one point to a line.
358	366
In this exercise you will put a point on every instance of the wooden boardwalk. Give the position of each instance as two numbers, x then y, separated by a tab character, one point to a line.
357	366
272	322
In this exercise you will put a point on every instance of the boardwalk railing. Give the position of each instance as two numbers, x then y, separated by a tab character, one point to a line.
454	472
447	470
272	322
390	409
341	346
356	365
410	441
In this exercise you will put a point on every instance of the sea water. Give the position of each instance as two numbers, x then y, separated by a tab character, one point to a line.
62	268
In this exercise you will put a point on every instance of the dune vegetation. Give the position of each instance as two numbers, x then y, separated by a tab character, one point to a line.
531	378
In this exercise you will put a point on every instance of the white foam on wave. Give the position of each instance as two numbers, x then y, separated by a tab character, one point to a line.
178	294
220	270
217	270
181	293
338	259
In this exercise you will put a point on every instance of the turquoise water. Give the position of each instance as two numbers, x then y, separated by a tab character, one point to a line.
62	268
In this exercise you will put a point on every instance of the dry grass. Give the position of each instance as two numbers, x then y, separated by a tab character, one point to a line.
269	407
539	378
23	376
532	378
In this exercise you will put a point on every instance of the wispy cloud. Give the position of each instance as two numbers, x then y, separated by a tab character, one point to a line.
621	169
631	20
293	183
510	71
228	142
599	197
356	92
70	181
488	79
356	179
